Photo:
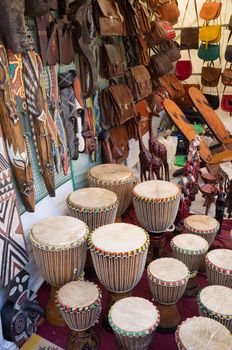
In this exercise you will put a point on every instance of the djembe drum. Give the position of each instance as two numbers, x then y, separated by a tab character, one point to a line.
156	205
79	303
59	245
119	254
216	302
191	250
168	279
114	177
134	321
201	333
219	267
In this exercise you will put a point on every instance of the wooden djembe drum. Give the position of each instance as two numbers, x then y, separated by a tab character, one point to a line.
114	177
201	333
59	245
134	321
191	250
79	303
119	253
168	279
156	205
216	302
219	267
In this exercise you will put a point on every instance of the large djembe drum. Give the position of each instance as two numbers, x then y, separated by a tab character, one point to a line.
79	303
216	302
134	321
114	177
191	250
168	279
119	254
219	267
59	245
201	333
156	205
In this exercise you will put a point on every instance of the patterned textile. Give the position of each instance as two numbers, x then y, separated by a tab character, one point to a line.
13	252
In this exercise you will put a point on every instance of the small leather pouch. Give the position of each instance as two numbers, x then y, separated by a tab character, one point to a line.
139	82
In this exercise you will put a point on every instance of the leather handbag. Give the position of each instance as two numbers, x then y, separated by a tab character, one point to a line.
172	85
142	49
139	82
228	53
226	103
212	53
35	8
160	64
169	12
107	17
210	76
227	76
185	100
210	34
213	100
116	105
160	31
172	50
183	69
111	61
210	10
189	36
115	145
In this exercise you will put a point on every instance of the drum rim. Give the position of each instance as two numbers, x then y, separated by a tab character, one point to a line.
209	311
95	210
119	255
83	309
50	247
189	252
188	227
164	283
145	199
142	333
215	267
177	333
130	178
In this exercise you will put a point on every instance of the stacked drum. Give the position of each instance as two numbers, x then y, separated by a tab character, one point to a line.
219	267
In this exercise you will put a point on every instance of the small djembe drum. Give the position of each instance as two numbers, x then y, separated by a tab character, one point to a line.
119	254
156	205
134	321
79	303
114	177
59	245
168	279
191	250
216	302
219	267
201	333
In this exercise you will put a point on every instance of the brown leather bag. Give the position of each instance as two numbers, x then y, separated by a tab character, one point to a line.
116	105
185	100
210	76
154	4
160	31
172	85
111	61
172	50
139	82
227	76
107	17
115	145
170	12
143	17
35	8
160	64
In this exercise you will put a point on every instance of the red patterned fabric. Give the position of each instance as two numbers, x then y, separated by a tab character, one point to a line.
187	306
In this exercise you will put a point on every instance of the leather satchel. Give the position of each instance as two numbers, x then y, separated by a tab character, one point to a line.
36	8
115	145
170	12
107	17
227	77
210	10
160	64
172	85
139	82
116	105
183	69
210	34
111	61
210	76
172	50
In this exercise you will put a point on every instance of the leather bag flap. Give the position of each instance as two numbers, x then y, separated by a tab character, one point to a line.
140	74
114	53
109	9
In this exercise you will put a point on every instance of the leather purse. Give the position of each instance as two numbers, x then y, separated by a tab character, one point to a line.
189	38
115	145
36	8
160	64
228	53
212	53
226	103
172	85
210	76
210	34
107	17
172	50
210	10
183	69
213	100
111	61
169	11
139	82
160	31
185	100
116	105
227	76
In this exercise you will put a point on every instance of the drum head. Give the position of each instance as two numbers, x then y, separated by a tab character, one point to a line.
110	172
59	231
78	294
201	223
217	299
190	242
156	189
221	258
200	333
168	269
134	314
119	238
92	197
